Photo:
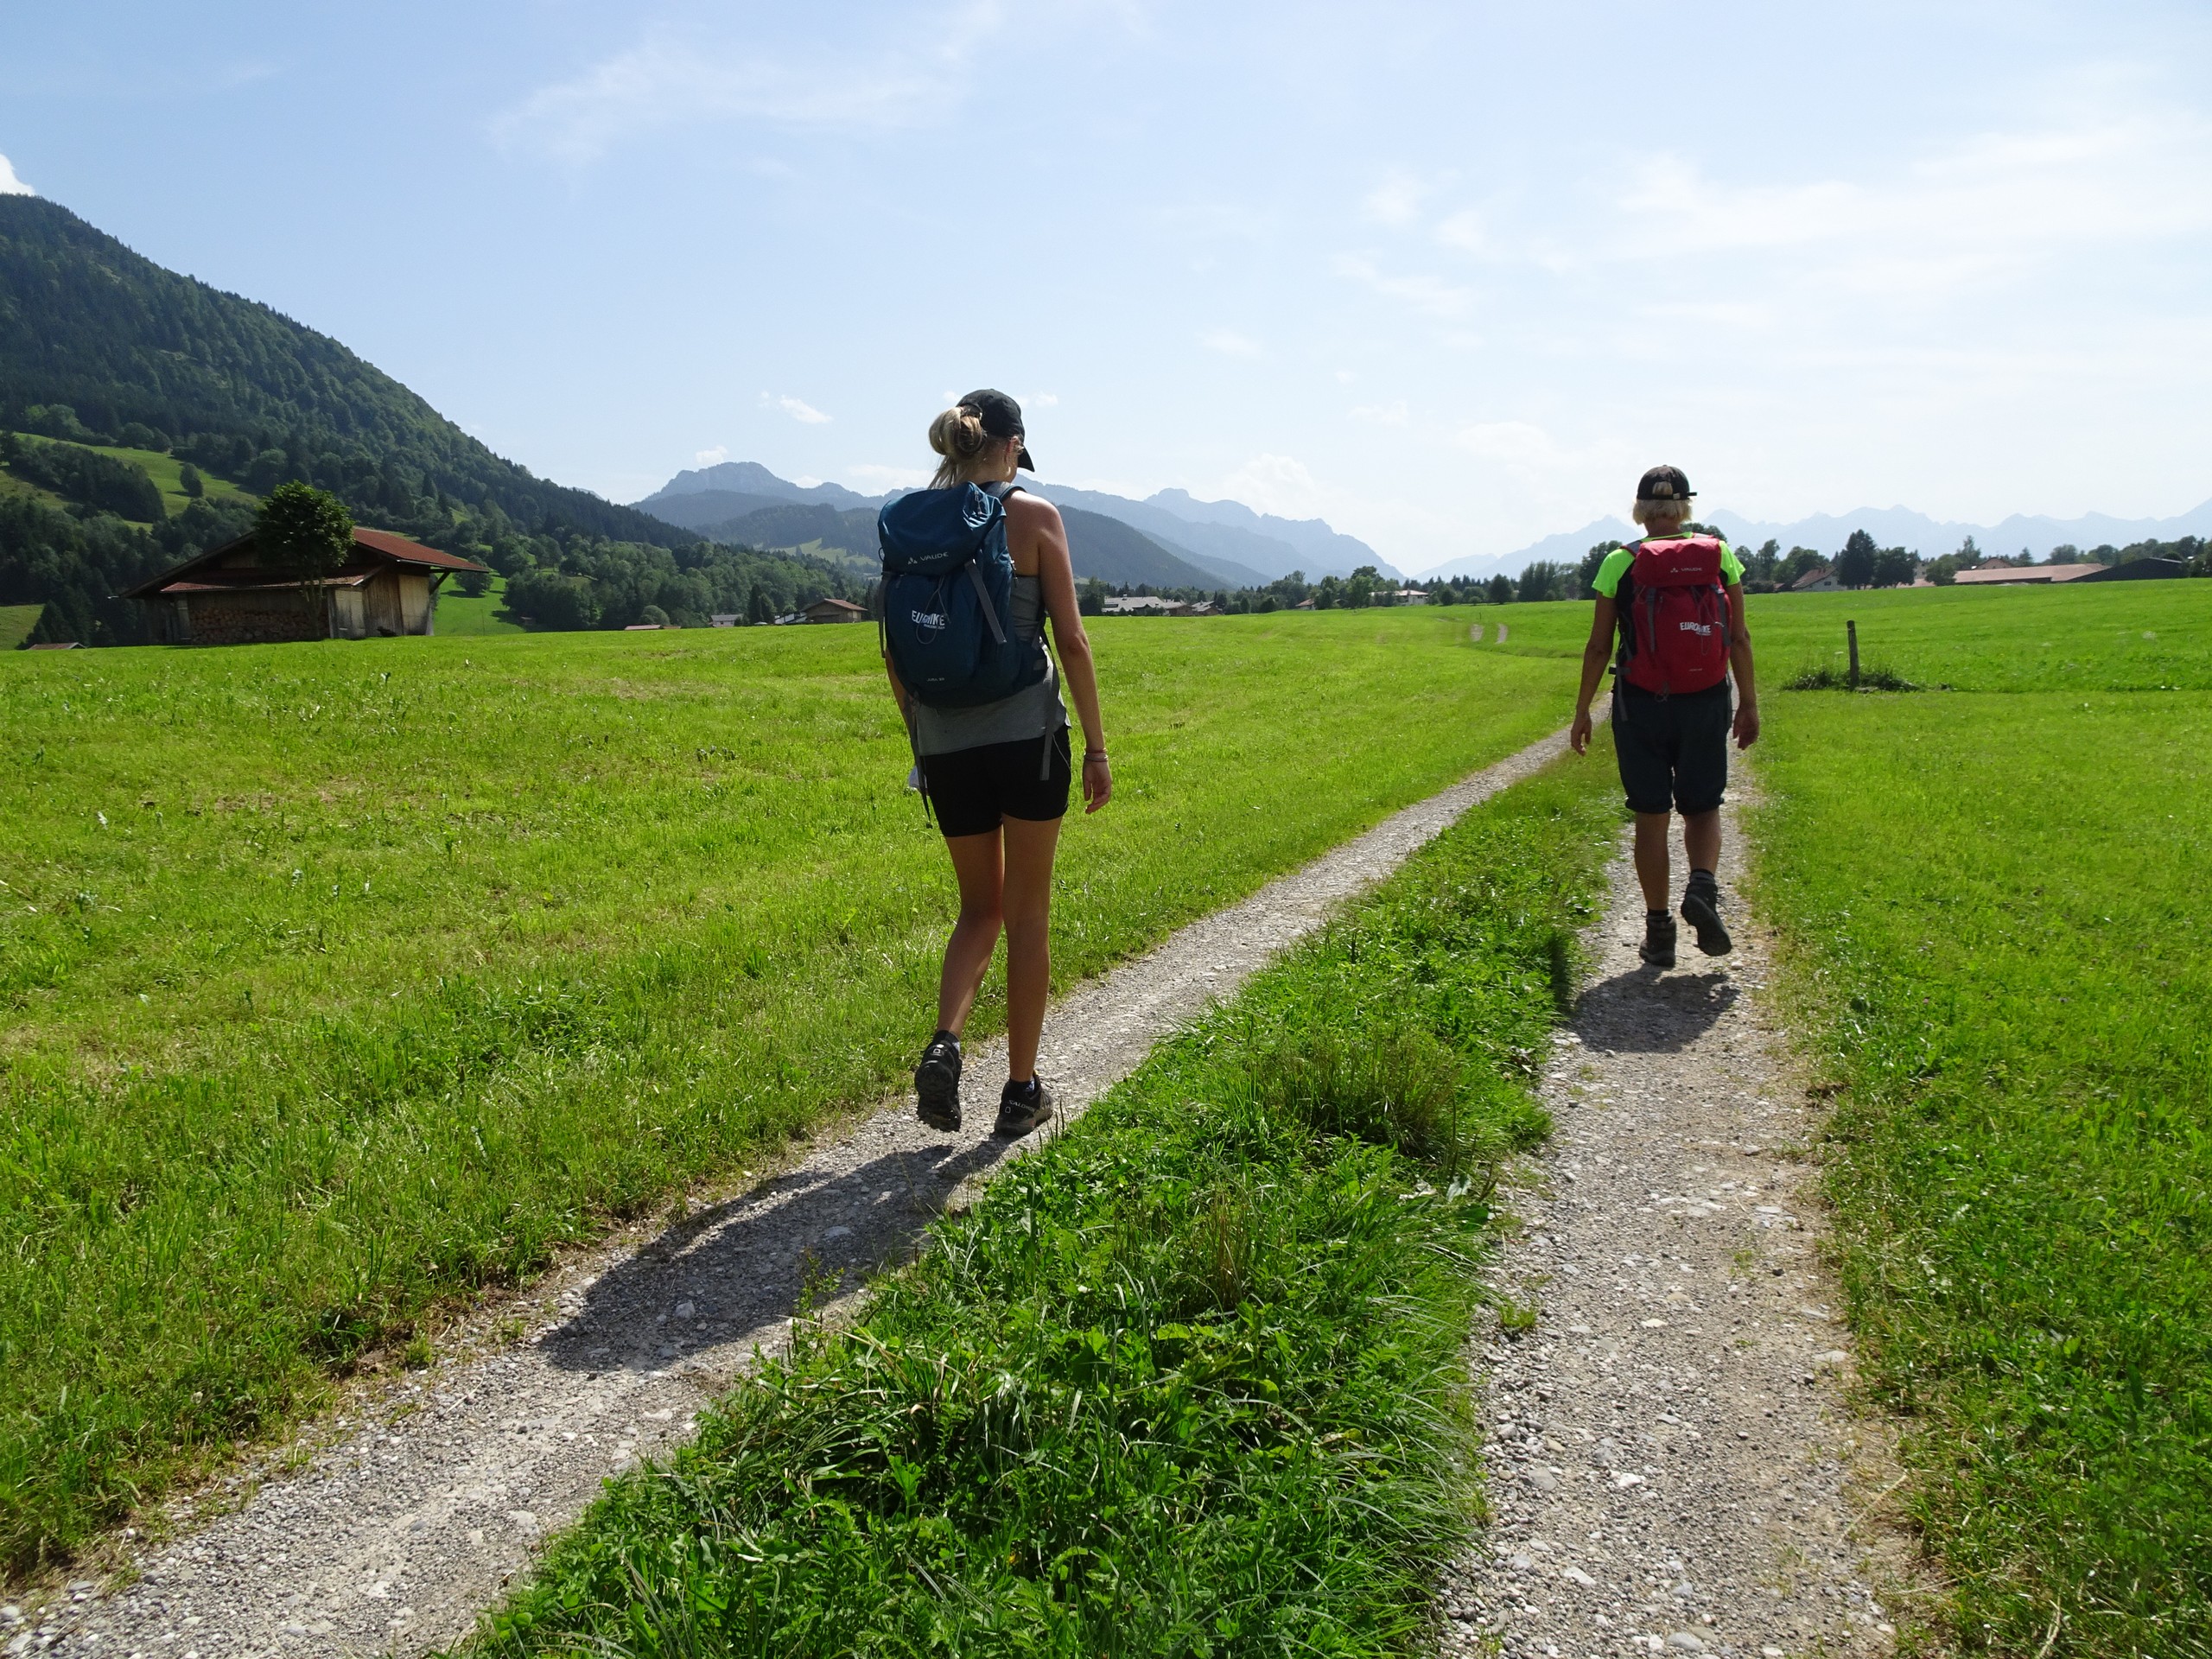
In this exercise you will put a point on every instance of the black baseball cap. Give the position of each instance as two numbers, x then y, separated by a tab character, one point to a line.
1664	484
1002	418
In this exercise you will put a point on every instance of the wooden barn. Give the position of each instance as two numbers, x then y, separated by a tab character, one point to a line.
230	596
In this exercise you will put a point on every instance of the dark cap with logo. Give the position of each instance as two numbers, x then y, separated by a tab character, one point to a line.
1002	418
1664	484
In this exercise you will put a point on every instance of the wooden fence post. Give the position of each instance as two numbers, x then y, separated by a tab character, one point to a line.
1851	632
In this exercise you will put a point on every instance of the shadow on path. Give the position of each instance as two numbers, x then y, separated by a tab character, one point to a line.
741	1265
1643	1011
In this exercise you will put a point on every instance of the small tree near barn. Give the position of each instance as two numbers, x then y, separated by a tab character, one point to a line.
307	532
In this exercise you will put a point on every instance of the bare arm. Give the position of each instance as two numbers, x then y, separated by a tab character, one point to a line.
1739	664
1595	655
1036	528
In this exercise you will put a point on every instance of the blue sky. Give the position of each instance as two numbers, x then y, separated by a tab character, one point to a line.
1449	275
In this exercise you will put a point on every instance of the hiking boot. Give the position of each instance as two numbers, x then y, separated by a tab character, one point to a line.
937	1083
1658	948
1022	1107
1701	910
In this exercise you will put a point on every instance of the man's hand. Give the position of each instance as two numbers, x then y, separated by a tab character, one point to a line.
1578	735
1747	724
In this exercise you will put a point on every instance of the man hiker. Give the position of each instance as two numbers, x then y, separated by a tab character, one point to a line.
1674	601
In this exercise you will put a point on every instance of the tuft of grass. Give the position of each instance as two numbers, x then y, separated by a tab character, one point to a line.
1995	910
1190	1379
340	980
1824	677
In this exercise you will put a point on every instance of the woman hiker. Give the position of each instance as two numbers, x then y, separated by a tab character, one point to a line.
997	773
1675	600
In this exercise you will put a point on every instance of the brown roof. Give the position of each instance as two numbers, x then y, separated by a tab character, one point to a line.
2027	573
841	603
374	551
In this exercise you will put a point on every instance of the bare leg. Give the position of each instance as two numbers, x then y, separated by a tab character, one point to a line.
1651	855
1701	841
1028	888
976	864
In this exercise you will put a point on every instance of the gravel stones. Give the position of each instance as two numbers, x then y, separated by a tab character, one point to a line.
391	1526
1672	1468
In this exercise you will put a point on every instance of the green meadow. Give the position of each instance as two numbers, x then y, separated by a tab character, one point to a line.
165	469
16	622
460	617
1997	926
340	980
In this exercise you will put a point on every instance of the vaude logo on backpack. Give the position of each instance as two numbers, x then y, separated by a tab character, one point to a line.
1676	616
947	599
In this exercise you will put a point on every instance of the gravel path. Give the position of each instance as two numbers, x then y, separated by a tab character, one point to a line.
1673	1465
390	1527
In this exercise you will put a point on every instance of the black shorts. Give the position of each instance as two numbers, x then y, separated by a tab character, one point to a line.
973	789
1673	751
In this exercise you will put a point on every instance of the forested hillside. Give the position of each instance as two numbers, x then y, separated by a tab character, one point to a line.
103	351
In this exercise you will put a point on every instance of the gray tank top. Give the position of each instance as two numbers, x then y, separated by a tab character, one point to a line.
1029	713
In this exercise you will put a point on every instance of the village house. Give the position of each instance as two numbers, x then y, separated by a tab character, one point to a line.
230	595
835	610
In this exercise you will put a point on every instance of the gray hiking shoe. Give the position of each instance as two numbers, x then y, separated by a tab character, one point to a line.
1701	910
1022	1107
1658	947
937	1083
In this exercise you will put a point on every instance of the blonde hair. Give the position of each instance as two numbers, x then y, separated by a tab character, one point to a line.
958	436
1681	509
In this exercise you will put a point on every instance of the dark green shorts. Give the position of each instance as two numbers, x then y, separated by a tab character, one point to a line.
1673	751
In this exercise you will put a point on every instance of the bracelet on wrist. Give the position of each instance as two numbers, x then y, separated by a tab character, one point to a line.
1090	755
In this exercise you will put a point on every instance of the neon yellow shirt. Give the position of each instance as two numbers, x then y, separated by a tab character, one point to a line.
1608	578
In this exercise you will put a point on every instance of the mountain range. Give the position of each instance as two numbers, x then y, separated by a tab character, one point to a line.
1825	532
1188	543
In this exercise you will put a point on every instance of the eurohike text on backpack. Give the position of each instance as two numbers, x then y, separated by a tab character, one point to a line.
946	604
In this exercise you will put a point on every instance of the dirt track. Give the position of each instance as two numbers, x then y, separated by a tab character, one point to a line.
1673	1465
398	1523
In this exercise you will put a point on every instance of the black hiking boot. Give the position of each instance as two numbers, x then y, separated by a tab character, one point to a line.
1658	948
937	1083
1022	1107
1701	910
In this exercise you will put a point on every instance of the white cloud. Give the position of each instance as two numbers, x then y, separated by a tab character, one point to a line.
713	457
671	77
1431	296
1040	400
1952	218
1514	443
1276	484
1229	343
804	413
1381	414
1395	202
1463	229
9	184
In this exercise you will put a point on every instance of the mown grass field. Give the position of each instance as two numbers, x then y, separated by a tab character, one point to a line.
1997	917
165	469
16	622
1190	1379
460	617
339	979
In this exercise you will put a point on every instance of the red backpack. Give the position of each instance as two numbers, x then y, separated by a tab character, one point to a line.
1677	619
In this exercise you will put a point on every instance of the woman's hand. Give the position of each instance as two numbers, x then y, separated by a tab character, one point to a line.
1578	735
1097	782
1747	724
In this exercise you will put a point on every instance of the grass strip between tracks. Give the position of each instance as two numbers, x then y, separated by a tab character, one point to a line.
1188	1380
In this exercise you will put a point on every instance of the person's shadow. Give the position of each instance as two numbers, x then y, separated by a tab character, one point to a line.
1645	1012
744	1264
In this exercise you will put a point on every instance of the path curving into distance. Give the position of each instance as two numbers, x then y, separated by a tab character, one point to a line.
1673	1465
409	1514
